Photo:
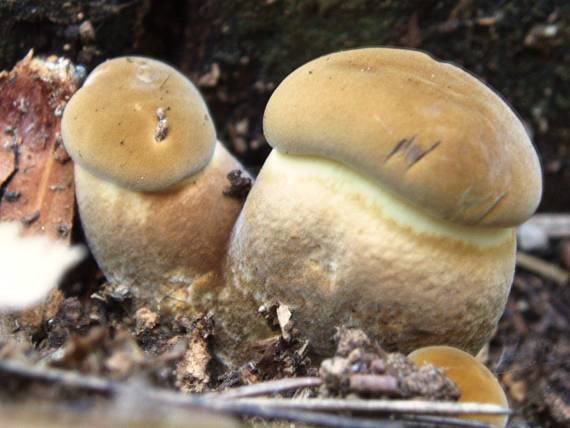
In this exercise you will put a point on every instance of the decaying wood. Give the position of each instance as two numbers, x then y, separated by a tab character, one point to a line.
414	407
268	388
36	174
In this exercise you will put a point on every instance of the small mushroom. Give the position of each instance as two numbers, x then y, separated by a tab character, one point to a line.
150	179
389	203
474	380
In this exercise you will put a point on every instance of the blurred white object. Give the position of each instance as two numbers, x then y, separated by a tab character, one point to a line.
555	225
532	237
31	266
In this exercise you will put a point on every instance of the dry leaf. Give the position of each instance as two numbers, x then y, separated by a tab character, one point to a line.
36	174
31	266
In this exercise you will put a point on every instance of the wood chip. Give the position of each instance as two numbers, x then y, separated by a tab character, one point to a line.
32	158
192	373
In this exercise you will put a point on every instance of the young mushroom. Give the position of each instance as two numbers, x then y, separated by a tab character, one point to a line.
150	180
388	203
475	382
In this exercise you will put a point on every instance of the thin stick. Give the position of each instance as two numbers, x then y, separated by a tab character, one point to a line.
318	418
542	268
381	406
308	411
376	384
67	378
241	407
111	388
267	388
447	421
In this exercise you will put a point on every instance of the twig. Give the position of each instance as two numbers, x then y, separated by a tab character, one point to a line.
270	411
239	407
67	378
447	421
375	384
554	225
417	407
111	388
317	418
309	411
267	409
542	268
267	388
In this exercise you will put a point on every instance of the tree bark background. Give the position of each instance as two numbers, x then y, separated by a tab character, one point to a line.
239	50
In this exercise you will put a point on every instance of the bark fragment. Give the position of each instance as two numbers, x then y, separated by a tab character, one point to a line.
36	177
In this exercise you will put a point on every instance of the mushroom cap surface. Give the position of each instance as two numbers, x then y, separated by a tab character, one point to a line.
428	131
475	381
139	123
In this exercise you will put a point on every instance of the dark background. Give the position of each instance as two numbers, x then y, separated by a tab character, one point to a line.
239	50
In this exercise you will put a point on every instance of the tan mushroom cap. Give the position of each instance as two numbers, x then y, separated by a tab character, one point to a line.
140	123
428	131
475	381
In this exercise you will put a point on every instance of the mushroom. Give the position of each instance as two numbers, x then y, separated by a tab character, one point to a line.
389	203
150	180
474	380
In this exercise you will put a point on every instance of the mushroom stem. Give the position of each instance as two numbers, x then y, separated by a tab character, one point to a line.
168	246
337	249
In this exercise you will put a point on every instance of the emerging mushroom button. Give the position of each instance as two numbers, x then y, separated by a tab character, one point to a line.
389	202
150	178
476	383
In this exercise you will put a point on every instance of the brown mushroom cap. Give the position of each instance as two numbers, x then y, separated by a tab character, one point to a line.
428	131
475	381
140	123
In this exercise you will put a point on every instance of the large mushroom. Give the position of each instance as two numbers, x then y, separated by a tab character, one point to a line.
389	203
150	180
